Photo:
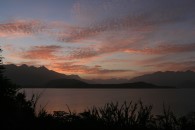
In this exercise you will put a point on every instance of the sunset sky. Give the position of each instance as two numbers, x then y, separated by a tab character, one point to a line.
99	38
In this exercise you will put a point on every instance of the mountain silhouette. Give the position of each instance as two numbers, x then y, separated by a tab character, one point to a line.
180	79
30	76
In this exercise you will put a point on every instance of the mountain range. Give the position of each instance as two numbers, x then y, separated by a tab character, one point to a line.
33	76
30	76
180	79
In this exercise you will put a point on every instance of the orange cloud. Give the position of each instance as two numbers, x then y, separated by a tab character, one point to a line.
71	68
29	63
41	52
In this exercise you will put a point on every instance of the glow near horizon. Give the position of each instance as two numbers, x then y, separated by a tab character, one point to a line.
99	38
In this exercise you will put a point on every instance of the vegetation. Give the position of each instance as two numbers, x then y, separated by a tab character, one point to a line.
128	116
17	113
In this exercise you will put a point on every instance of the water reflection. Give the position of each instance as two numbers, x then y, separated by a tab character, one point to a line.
181	101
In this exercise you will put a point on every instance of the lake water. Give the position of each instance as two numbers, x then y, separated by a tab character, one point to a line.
181	101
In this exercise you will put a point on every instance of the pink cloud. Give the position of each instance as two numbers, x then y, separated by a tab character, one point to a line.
129	45
21	28
133	23
8	47
116	60
107	47
164	49
140	21
174	66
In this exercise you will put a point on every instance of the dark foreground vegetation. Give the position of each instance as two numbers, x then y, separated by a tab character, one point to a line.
18	113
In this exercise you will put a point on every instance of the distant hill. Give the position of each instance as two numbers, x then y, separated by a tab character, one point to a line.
135	85
30	76
178	79
72	83
107	81
66	83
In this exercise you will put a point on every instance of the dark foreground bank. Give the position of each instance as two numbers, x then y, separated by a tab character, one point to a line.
19	114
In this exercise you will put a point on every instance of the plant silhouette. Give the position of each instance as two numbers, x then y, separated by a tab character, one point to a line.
15	111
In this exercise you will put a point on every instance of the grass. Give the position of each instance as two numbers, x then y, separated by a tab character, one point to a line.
128	116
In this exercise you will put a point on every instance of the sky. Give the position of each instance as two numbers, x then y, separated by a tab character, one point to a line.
99	38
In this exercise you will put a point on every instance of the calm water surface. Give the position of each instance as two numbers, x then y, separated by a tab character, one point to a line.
181	101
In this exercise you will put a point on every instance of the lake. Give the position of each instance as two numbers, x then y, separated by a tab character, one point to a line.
181	101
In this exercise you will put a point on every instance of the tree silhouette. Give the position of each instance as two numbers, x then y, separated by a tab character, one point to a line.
7	89
1	66
15	111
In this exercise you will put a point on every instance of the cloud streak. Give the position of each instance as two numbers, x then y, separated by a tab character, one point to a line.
160	49
139	23
134	17
165	49
174	66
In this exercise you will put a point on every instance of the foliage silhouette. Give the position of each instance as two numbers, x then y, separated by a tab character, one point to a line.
131	116
15	111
